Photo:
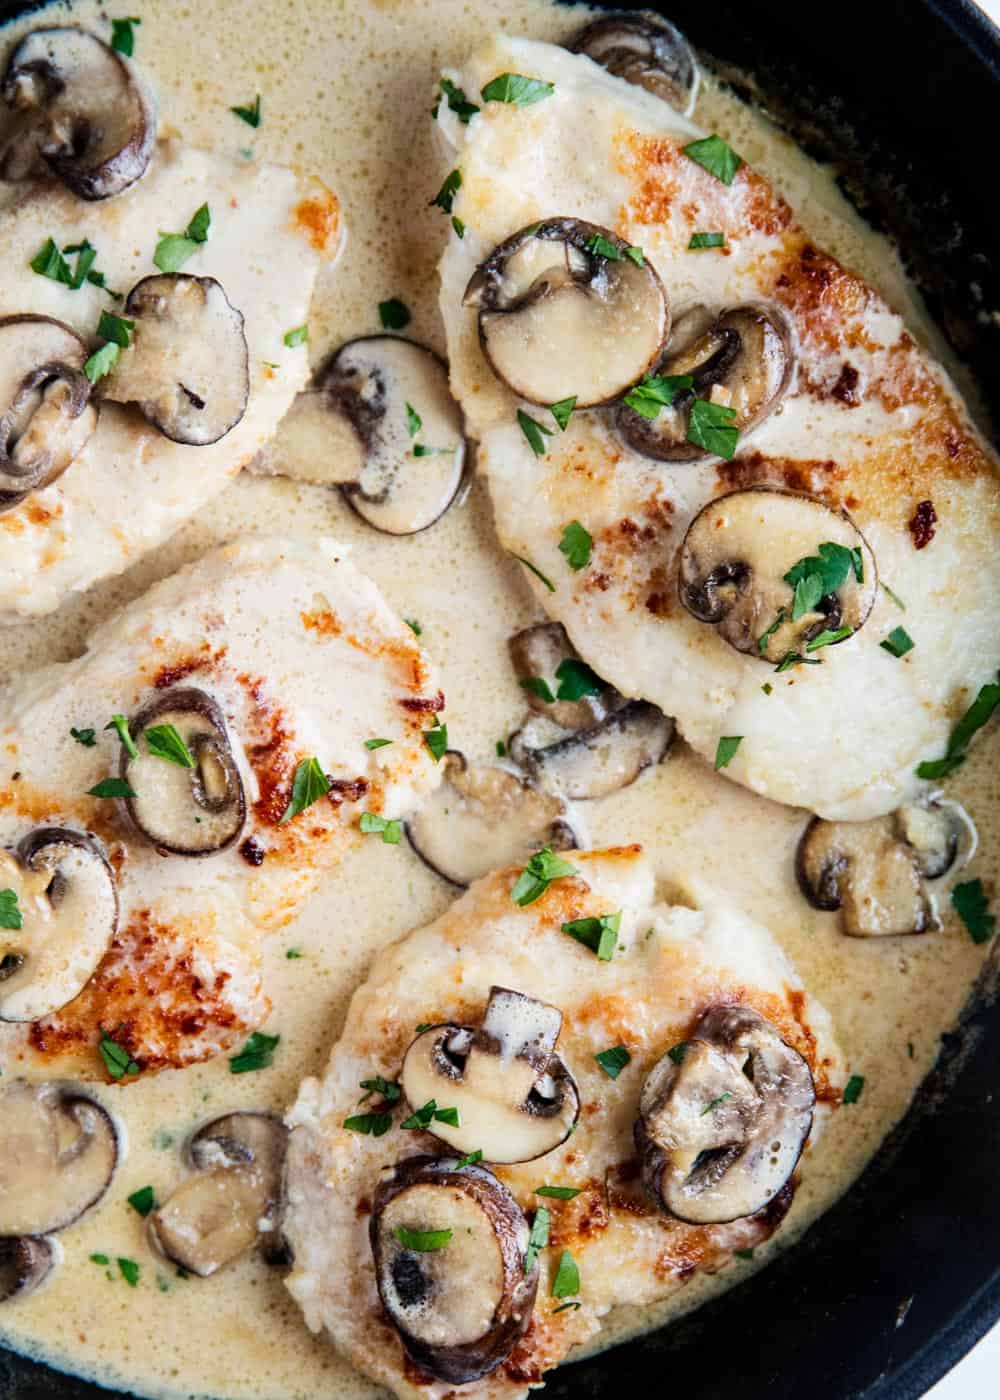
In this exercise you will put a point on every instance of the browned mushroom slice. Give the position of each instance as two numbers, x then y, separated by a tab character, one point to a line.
601	760
741	359
736	560
231	1202
647	50
483	817
514	1097
25	1264
546	664
723	1118
449	1247
60	1150
186	368
874	872
192	802
67	903
46	416
553	297
79	112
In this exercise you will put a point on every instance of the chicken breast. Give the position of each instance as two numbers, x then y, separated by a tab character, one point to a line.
130	487
869	425
302	659
670	964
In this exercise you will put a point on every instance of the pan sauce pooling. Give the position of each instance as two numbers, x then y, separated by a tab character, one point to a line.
238	1333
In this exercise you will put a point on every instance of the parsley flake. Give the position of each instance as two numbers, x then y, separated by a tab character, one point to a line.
562	411
10	910
423	1241
538	1238
962	735
250	114
308	786
143	1200
393	314
716	156
715	1103
655	391
120	723
707	240
972	907
297	336
414	626
102	362
122	35
829	638
174	249
535	432
576	545
538	685
516	90
470	1159
414	422
614	1060
377	743
711	427
388	1088
164	741
599	934
257	1053
537	572
678	1051
566	1283
853	1088
541	870
111	787
725	750
129	1271
436	740
371	1124
558	1193
86	737
117	1061
391	831
898	642
457	101
445	197
576	679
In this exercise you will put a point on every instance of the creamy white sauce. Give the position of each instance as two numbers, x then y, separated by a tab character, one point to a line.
347	91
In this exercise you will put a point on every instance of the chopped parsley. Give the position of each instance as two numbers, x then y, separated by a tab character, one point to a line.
972	907
898	642
164	741
393	314
122	35
297	336
576	545
767	687
251	114
614	1060
678	1051
707	240
308	786
537	572
174	249
829	638
377	743
143	1200
716	156
516	90
562	411
457	225
414	626
102	362
445	197
371	1124
470	1159
894	597
117	1061
743	1253
715	1103
535	432
725	750
967	727
795	658
853	1088
436	740
101	1259
558	1193
573	1303
120	723
501	749
538	1238
765	637
111	787
457	101
414	422
541	870
538	685
604	248
388	1088
599	934
257	1053
576	679
423	1241
391	831
116	329
655	391
566	1283
711	427
10	911
428	1113
49	262
86	737
294	953
129	1271
817	575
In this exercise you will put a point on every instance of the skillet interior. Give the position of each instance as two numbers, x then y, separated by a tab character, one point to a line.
894	1284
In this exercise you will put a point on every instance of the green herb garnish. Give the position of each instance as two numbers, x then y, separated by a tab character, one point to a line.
711	427
898	642
120	723
428	1113
393	314
972	907
516	90
817	575
164	741
111	787
423	1241
10	910
725	750
298	335
538	685
566	1283
576	545
576	679
251	114
257	1053
715	1103
613	1061
457	101
377	743
308	786
853	1088
371	1124
562	411
537	572
829	638
86	737
541	870
445	197
391	831
414	626
538	1238
655	391
470	1159
174	249
967	727
707	240
436	740
122	36
535	432
716	156
102	362
559	1193
678	1051
599	934
129	1271
143	1200
388	1088
117	1061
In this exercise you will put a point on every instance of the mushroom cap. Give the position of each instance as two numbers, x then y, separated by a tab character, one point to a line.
743	359
46	416
550	305
645	49
80	112
68	900
60	1151
187	368
25	1263
188	811
515	1098
723	1122
538	652
462	1307
604	759
735	557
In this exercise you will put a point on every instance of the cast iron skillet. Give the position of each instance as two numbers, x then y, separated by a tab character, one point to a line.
899	1280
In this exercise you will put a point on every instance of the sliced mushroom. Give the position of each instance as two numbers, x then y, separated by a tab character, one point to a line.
736	554
395	430
463	1300
741	359
550	304
875	872
185	810
186	368
646	50
25	1264
79	112
514	1096
537	653
232	1200
604	759
723	1118
46	416
483	817
60	1150
68	904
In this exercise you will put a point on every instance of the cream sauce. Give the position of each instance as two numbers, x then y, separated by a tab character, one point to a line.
345	88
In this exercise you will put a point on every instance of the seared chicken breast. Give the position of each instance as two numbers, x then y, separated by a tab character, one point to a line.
638	260
514	968
147	860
